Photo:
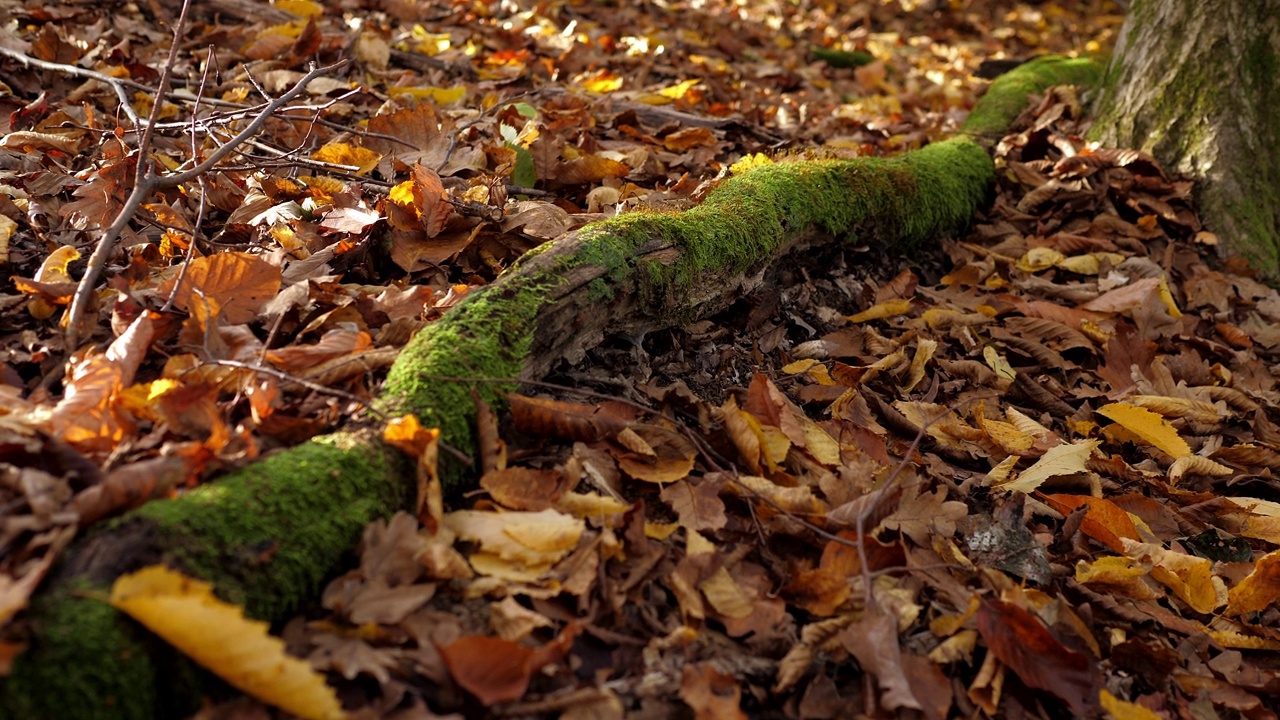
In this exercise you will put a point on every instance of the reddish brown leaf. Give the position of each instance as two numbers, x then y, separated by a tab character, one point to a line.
1020	641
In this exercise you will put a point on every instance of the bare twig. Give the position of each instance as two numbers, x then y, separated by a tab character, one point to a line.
314	386
148	182
117	85
195	152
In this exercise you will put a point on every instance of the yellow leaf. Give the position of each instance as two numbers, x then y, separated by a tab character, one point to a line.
300	8
343	154
1167	298
402	194
441	96
924	353
1000	473
1066	459
749	162
52	270
1147	425
1123	709
886	309
1191	578
675	92
799	366
7	226
997	363
1080	264
1041	258
603	81
429	43
219	637
1115	576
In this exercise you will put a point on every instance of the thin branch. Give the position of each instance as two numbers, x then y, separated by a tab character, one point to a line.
314	386
117	85
150	182
250	130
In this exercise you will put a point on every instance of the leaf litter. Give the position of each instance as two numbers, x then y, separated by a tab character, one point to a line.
1031	473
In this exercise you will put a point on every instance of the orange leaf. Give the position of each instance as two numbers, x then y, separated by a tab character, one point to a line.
1259	589
1104	521
431	200
237	284
497	670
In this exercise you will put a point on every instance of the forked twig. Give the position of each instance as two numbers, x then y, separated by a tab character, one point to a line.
148	182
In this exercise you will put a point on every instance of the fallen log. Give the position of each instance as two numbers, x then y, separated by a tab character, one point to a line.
268	536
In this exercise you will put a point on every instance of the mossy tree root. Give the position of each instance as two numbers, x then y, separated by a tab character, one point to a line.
268	535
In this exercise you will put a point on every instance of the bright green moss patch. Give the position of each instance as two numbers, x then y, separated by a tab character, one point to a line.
269	534
905	199
84	659
1007	96
488	335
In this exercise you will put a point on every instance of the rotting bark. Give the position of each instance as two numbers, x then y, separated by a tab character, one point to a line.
1196	85
268	535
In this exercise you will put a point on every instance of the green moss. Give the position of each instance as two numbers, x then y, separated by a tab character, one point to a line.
1007	96
904	199
267	536
843	58
487	335
51	680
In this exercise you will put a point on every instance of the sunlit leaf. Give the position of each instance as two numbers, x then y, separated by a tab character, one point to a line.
220	638
1065	459
1147	425
234	284
879	311
1259	589
339	153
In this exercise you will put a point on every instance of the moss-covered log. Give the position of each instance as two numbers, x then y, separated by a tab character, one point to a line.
1197	85
267	536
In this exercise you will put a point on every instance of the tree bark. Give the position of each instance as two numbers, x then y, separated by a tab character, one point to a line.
1197	85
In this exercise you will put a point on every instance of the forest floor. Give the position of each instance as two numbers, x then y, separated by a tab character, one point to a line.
1057	434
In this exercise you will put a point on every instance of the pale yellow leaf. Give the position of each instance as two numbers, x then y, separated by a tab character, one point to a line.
1000	473
1197	465
1065	459
724	594
924	353
1041	258
997	363
220	638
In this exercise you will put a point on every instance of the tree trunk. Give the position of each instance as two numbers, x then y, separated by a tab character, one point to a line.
1197	85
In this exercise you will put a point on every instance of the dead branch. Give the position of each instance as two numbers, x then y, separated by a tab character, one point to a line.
149	182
